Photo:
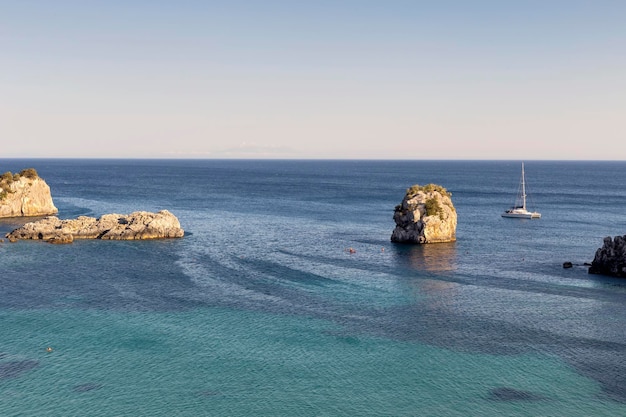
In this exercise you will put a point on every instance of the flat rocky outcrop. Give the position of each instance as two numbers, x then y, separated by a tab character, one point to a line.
426	215
25	194
610	259
137	225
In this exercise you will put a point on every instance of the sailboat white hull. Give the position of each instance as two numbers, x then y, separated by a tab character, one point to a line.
519	214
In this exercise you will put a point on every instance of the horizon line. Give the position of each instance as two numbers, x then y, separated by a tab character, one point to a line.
305	159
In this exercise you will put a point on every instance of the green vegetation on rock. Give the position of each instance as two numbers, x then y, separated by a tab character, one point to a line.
433	208
9	178
428	188
29	173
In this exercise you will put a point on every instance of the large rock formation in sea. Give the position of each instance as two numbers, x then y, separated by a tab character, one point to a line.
610	259
426	215
25	194
137	225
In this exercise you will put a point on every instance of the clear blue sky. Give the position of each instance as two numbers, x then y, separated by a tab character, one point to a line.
313	79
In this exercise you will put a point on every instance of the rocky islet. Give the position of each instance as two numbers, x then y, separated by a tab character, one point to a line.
139	225
426	215
25	194
610	259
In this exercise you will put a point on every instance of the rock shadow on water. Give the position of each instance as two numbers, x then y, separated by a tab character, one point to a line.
433	257
507	394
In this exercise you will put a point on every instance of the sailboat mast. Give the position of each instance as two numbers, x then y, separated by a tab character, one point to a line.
523	188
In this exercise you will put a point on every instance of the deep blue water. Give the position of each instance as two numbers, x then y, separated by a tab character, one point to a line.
260	310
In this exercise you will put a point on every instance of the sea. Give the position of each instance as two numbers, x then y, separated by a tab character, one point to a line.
261	309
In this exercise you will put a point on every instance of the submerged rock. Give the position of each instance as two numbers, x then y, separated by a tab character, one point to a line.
426	215
25	194
512	394
137	225
89	386
14	369
610	259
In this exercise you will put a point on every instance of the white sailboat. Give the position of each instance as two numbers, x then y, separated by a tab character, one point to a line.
519	210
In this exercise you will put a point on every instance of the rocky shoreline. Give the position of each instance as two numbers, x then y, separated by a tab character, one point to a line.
139	225
610	259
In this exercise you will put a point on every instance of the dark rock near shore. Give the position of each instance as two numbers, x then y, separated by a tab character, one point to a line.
610	259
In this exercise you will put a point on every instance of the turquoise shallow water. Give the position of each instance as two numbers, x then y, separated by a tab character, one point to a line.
223	362
260	310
